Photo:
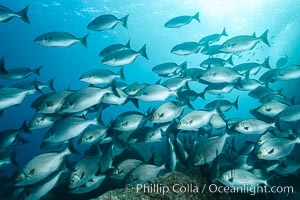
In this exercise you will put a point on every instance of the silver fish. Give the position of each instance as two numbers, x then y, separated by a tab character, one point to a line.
53	103
83	171
40	120
276	97
217	89
220	75
154	93
195	119
176	83
265	137
172	158
156	133
239	177
252	68
207	40
144	173
216	62
68	128
43	189
252	126
186	48
223	105
180	150
129	121
247	84
7	14
208	149
101	76
259	92
10	136
243	43
104	22
59	39
132	89
167	112
124	167
17	73
268	76
217	122
90	185
181	21
93	135
114	48
276	148
124	57
271	109
13	96
287	73
290	114
169	69
106	159
34	83
83	99
40	167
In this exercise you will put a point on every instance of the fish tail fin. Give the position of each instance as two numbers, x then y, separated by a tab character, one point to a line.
124	20
37	89
196	17
70	149
202	95
83	40
37	70
135	102
143	52
51	84
25	128
266	63
121	74
229	61
224	32
114	88
236	103
189	104
127	45
264	37
24	15
2	66
183	67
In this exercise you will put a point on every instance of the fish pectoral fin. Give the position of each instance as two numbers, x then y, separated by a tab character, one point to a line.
246	128
231	179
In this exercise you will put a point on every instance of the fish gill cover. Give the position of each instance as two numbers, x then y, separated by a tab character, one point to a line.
99	94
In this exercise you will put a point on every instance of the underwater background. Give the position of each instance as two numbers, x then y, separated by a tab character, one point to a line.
145	26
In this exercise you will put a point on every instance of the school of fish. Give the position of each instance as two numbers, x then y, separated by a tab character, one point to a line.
193	135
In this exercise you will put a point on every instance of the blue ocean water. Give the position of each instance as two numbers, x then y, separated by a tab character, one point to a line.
145	26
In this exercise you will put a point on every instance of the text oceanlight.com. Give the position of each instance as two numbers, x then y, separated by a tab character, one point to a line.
212	188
